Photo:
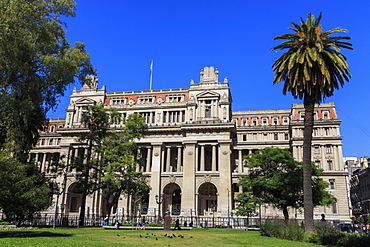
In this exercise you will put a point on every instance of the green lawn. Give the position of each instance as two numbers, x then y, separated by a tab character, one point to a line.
100	237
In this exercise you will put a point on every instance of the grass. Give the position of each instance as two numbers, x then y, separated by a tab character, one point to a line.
100	237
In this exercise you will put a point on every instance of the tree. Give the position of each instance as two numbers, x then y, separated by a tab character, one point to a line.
276	178
97	121
119	162
311	69
111	157
36	65
24	190
247	204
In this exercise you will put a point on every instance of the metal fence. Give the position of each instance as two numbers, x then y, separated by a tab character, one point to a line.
194	221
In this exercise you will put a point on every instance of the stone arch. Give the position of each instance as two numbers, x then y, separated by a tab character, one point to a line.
207	198
172	198
74	198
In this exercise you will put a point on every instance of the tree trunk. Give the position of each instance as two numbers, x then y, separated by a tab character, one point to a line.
286	213
309	106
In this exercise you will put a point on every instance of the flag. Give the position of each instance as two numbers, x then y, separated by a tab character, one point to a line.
151	68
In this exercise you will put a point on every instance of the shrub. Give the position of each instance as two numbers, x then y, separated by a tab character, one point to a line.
282	229
326	234
354	240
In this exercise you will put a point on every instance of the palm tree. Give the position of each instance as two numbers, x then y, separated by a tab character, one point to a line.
311	68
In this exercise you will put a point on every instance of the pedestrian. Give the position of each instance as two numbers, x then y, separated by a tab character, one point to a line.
177	224
106	220
138	223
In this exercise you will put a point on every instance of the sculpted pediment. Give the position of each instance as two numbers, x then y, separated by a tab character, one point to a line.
208	94
85	101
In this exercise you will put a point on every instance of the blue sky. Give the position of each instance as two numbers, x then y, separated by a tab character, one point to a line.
235	36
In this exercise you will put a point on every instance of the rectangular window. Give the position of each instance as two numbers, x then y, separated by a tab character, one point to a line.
244	138
326	130
276	136
328	149
314	132
330	165
316	149
332	183
265	137
254	136
286	136
318	163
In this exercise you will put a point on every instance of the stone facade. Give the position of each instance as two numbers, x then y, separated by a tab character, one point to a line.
195	147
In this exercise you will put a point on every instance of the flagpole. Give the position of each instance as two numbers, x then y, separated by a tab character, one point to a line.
151	75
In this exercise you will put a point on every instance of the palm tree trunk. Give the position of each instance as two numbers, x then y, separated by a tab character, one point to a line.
309	106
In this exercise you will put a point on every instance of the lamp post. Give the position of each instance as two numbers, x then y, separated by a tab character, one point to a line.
159	200
57	192
228	207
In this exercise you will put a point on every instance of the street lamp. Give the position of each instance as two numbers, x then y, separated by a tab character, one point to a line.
57	192
228	207
159	200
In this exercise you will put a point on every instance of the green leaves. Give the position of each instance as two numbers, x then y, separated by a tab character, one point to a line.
315	65
277	179
36	65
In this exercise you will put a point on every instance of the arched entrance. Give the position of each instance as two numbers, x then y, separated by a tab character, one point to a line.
74	198
207	199
172	196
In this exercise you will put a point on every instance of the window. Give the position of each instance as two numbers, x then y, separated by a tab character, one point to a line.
264	121
286	136
254	121
276	136
302	115
326	131
328	149
330	165
314	132
208	111
254	136
334	208
265	136
285	120
51	142
244	138
275	120
42	142
325	115
316	149
52	128
318	163
332	184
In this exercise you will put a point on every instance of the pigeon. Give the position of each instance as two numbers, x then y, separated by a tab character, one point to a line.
118	235
156	238
141	236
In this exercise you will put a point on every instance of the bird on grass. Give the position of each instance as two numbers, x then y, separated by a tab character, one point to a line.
141	236
156	238
118	235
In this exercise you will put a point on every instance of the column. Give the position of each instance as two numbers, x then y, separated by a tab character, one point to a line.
240	165
188	200
179	160
214	157
155	178
168	160
202	158
225	188
148	159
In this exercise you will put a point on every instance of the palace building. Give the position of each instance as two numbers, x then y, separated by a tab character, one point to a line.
194	150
